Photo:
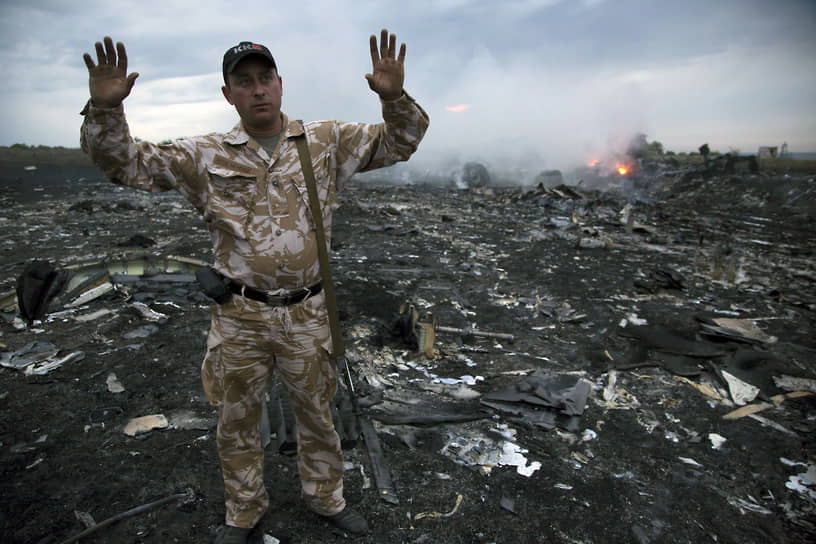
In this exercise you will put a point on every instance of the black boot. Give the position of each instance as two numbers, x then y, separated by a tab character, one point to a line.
232	535
349	520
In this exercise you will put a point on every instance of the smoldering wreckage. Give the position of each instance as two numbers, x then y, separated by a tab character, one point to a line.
611	359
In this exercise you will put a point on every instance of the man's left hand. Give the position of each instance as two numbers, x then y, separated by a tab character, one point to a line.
388	72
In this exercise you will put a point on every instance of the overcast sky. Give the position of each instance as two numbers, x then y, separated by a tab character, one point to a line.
557	81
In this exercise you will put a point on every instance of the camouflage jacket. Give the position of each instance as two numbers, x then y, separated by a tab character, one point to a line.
256	205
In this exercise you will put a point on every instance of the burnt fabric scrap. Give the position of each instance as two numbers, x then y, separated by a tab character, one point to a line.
138	240
36	287
544	399
661	279
667	340
641	356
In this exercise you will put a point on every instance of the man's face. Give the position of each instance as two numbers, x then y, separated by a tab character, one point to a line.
255	89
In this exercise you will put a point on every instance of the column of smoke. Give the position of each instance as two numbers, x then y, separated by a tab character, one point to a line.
519	122
517	159
577	163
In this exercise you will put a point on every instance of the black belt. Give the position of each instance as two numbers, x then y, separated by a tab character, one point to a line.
275	300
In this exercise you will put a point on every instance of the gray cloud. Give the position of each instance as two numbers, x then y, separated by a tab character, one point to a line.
546	80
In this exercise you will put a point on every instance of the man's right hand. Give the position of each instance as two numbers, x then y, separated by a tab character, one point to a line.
108	80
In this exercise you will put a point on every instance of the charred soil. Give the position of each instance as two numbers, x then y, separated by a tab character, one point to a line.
570	274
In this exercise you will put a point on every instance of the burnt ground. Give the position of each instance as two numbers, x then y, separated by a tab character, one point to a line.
560	270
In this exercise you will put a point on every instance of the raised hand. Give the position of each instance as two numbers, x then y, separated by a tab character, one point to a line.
108	80
388	72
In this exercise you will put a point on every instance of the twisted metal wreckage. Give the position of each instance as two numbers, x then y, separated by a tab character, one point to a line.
702	292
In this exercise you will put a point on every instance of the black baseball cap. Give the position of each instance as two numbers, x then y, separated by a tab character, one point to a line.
244	49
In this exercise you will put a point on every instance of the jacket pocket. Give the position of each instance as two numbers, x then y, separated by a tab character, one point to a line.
324	180
230	199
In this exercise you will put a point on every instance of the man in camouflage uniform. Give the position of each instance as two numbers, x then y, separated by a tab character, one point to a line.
249	187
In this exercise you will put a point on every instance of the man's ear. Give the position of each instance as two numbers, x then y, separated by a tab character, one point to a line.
226	92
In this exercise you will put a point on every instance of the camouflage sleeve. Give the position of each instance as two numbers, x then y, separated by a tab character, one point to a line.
105	137
363	147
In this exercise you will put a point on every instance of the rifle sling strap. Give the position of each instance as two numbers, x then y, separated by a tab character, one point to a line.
338	348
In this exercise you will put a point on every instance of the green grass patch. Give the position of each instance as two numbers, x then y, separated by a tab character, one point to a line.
788	166
25	155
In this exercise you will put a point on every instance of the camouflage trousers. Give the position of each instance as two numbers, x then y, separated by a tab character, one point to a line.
247	341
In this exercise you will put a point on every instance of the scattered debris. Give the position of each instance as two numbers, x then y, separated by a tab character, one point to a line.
113	383
745	330
189	496
485	453
804	482
382	475
690	461
141	332
419	330
772	424
741	392
744	505
431	515
747	410
43	287
716	440
85	518
588	435
33	352
189	420
706	389
789	383
93	316
47	366
680	288
508	504
145	424
38	358
543	398
776	400
148	313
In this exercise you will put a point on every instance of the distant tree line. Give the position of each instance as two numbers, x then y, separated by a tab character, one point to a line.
641	147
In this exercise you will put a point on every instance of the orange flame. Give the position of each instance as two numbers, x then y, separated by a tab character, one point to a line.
594	162
622	170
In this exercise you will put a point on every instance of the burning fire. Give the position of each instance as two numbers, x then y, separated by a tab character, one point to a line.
622	165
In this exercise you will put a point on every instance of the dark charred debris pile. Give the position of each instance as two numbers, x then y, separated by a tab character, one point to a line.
659	385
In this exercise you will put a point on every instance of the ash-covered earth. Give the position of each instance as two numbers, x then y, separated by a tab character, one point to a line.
646	298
